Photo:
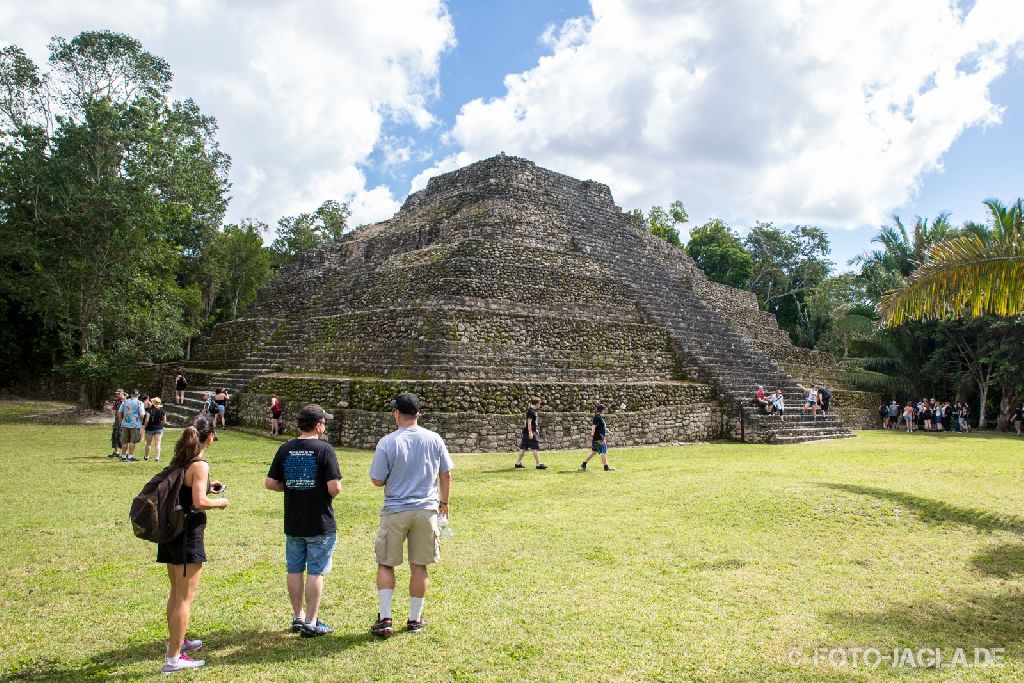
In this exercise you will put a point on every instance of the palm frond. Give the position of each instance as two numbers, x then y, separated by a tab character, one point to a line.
868	380
963	276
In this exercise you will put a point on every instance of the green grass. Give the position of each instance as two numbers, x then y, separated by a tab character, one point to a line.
706	562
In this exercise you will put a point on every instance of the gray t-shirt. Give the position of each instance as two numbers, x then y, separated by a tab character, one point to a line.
409	460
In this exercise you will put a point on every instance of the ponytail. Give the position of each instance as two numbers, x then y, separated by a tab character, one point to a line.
193	439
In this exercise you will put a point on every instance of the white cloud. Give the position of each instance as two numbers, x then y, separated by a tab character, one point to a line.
301	89
809	111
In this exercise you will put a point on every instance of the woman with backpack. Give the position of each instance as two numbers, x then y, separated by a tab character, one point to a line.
185	554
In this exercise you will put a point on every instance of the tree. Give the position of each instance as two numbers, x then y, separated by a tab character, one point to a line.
787	267
242	265
967	273
296	234
106	188
718	251
664	224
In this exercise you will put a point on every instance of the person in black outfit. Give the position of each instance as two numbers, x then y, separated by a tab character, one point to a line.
598	439
185	554
531	437
153	427
1018	419
180	383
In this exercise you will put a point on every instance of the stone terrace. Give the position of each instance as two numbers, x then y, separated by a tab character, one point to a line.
499	281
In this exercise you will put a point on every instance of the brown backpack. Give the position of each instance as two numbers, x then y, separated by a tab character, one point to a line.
157	514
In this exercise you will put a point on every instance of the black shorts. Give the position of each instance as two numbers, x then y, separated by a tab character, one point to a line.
526	443
188	550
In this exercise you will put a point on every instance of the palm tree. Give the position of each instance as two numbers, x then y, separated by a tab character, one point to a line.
968	273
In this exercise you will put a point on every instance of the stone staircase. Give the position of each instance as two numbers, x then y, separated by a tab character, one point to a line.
704	338
268	357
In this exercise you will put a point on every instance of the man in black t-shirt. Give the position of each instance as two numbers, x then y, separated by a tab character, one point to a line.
531	437
1018	418
306	471
598	439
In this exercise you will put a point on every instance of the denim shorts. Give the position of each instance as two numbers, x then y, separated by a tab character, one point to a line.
310	554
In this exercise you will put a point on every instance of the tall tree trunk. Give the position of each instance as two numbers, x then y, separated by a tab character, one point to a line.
983	391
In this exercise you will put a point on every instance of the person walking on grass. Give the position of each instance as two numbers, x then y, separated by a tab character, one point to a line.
531	436
153	425
1018	419
185	554
115	433
414	467
132	413
306	471
598	439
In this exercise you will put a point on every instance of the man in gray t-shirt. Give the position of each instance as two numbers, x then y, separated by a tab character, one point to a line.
413	466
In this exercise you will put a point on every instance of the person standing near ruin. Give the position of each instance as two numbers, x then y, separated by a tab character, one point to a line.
598	439
221	399
811	401
824	398
115	433
154	427
132	412
180	383
306	470
414	467
276	410
531	436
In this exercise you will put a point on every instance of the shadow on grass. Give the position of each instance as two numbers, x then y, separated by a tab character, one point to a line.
220	649
937	511
1003	561
978	620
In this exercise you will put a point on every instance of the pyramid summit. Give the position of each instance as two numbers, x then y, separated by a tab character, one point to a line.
500	281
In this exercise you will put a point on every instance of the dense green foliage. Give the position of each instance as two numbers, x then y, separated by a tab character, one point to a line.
112	198
704	563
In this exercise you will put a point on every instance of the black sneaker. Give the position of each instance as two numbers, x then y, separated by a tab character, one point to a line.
542	466
297	624
314	630
609	468
415	626
520	466
382	628
583	466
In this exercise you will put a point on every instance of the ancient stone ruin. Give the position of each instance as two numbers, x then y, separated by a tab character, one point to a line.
504	280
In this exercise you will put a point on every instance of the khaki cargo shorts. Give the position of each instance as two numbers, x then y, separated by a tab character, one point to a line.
419	526
130	435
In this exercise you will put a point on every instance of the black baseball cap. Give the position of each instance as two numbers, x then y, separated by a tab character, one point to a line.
310	416
406	404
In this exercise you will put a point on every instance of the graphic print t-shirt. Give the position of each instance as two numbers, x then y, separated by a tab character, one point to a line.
600	426
305	466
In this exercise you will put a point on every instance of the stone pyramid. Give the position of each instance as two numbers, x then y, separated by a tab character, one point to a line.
504	280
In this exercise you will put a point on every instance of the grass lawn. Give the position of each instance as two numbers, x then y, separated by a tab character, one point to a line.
705	562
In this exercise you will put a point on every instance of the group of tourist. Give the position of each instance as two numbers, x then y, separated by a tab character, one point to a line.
135	416
927	415
413	466
530	437
817	399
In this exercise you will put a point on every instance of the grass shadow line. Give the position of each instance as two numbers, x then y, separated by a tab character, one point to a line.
244	647
937	511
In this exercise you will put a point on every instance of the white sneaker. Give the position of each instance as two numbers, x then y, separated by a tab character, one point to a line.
182	663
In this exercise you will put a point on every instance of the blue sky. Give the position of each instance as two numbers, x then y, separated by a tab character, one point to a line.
837	114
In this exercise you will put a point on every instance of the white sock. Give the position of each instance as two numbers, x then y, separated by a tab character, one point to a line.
415	608
171	660
301	616
384	595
